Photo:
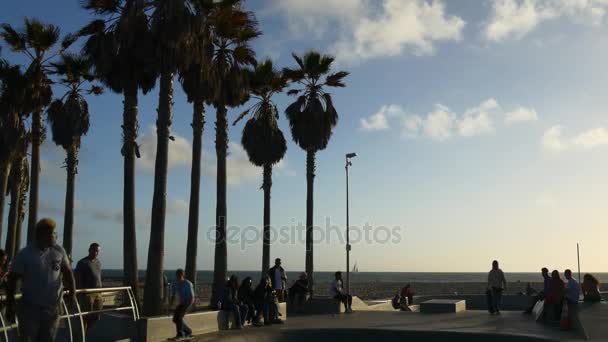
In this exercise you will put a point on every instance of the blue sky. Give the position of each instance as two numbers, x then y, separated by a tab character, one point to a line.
481	129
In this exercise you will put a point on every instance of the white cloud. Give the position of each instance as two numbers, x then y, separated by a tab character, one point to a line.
592	138
516	18
180	151
364	29
376	121
553	140
438	123
477	120
521	114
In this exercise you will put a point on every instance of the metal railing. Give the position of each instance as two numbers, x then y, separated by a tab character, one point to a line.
5	327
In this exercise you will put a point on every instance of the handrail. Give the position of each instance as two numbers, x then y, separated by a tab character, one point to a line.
5	327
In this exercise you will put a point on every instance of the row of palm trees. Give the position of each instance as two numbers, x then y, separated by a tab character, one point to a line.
206	45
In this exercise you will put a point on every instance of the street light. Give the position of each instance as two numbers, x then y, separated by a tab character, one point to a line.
348	163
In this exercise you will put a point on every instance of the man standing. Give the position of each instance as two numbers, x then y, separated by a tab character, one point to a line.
88	276
496	285
185	292
336	291
278	279
42	266
541	295
573	289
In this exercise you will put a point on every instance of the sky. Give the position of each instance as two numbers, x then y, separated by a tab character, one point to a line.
481	129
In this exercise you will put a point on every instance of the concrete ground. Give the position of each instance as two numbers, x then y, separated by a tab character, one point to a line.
360	326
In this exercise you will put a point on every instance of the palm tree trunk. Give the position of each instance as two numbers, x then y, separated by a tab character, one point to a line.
266	185
68	225
198	123
3	184
154	274
13	214
37	136
220	268
310	178
129	151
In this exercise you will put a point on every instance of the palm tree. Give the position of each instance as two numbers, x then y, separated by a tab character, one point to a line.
194	77
35	42
119	44
170	22
232	31
19	183
262	137
311	120
69	118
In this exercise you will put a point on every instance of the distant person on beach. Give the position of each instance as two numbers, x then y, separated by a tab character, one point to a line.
496	285
184	290
266	302
573	289
591	289
336	291
88	276
230	302
278	279
298	292
246	297
41	267
541	295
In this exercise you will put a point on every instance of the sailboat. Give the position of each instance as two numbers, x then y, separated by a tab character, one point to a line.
355	269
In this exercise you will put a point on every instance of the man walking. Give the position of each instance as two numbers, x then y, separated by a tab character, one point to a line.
278	279
184	290
88	276
496	285
42	266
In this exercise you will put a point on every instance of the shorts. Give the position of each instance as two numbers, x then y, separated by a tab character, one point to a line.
91	302
37	324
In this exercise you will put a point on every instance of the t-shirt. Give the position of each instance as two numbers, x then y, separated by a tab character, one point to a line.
88	273
335	288
184	290
496	279
278	281
41	274
573	291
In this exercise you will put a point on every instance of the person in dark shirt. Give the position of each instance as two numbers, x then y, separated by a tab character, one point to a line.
541	295
246	297
88	276
230	302
266	302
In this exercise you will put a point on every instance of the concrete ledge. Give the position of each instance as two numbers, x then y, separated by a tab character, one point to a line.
479	302
321	305
592	320
225	319
443	306
161	328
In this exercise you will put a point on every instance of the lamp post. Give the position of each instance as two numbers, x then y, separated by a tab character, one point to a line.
348	163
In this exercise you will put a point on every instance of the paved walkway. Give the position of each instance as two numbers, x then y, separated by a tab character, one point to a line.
466	326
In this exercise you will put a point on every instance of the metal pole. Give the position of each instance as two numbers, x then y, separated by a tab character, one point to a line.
578	257
347	236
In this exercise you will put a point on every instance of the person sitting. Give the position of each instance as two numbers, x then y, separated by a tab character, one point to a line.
336	291
407	296
541	295
591	289
229	302
266	302
555	295
246	297
298	292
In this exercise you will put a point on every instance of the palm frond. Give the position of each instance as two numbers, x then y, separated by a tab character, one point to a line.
40	36
335	79
101	7
14	39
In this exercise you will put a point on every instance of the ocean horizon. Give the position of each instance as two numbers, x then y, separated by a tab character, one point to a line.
378	277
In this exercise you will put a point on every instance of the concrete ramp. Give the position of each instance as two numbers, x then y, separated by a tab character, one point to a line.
593	319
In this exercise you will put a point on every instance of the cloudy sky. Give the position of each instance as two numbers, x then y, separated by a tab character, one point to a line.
481	129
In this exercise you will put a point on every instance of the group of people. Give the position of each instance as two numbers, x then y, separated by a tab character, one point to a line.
556	292
44	268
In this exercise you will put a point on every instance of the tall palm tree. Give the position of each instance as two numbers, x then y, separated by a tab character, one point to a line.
120	44
14	104
69	118
194	77
170	22
36	41
19	183
312	118
233	30
262	137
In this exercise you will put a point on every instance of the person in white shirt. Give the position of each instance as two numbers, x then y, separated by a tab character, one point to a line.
496	285
336	291
278	279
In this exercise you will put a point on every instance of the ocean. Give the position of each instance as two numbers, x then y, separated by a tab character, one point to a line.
377	277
